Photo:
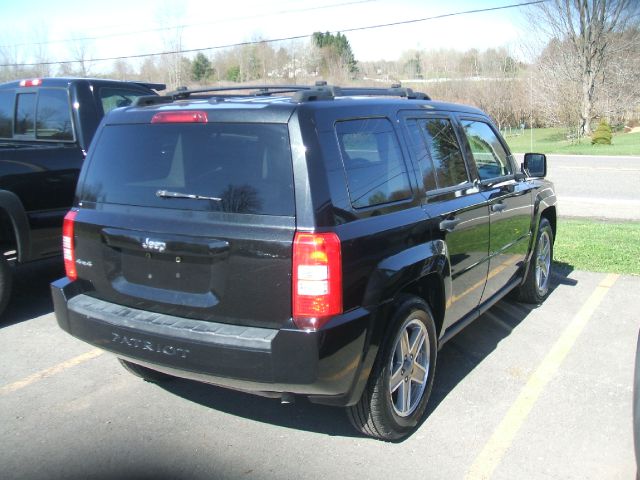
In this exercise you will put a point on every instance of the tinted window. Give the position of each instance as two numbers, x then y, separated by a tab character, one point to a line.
443	147
53	118
373	162
245	167
118	97
6	114
419	148
488	153
26	114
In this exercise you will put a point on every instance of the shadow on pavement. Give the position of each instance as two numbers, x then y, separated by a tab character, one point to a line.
300	415
472	345
31	296
456	360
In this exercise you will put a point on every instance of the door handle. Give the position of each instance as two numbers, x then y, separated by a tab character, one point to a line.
498	207
449	225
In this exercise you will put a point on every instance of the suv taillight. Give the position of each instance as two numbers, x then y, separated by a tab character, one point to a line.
34	82
317	279
68	247
184	116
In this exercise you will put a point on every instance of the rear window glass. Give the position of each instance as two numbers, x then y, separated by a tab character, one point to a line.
26	114
6	114
53	117
239	168
445	152
376	172
118	97
419	147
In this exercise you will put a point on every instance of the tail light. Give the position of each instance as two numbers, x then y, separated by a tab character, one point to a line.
317	279
68	247
34	82
183	116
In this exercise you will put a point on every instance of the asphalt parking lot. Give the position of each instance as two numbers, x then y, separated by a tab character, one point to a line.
523	392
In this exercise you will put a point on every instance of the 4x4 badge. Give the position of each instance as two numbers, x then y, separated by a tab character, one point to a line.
156	245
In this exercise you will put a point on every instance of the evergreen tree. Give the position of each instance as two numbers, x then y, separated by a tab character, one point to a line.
335	46
602	135
201	69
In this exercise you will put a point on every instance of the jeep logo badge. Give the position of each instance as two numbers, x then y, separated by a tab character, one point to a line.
155	245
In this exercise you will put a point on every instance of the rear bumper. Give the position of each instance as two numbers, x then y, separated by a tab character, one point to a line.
326	365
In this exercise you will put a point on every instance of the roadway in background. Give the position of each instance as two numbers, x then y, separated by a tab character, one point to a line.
596	187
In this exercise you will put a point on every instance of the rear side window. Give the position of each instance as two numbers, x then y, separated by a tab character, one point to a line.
26	114
53	116
44	115
443	147
238	168
6	114
373	163
421	154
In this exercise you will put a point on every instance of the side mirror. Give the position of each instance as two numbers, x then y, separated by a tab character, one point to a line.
535	164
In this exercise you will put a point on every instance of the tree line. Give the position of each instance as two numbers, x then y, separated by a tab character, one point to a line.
585	71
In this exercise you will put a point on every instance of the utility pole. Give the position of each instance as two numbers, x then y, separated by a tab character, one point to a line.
531	109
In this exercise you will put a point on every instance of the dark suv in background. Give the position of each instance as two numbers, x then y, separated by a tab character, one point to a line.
46	126
311	241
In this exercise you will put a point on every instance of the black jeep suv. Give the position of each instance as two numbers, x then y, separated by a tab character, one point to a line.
310	241
46	126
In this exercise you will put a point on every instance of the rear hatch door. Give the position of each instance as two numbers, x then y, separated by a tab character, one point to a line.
190	219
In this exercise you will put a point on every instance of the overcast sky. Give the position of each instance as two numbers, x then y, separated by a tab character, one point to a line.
121	28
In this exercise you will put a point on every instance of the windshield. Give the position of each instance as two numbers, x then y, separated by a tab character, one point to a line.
239	168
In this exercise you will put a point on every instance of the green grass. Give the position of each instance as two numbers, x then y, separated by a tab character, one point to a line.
554	140
598	246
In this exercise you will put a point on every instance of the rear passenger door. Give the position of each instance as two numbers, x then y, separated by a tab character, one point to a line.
509	200
460	210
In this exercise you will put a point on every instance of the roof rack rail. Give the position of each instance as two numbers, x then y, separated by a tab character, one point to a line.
154	86
320	91
262	90
301	93
395	91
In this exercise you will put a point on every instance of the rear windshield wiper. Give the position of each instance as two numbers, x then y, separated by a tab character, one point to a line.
168	194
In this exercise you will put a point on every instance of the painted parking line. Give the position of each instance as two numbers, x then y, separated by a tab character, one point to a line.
49	372
500	441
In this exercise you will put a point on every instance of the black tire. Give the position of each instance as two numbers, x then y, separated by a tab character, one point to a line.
536	286
145	373
6	283
381	413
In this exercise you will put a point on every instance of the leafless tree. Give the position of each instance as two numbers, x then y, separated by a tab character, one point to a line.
172	63
12	56
582	33
122	70
149	70
81	51
41	55
620	89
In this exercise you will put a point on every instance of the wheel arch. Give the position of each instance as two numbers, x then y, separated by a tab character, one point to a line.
423	271
14	225
431	290
551	215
